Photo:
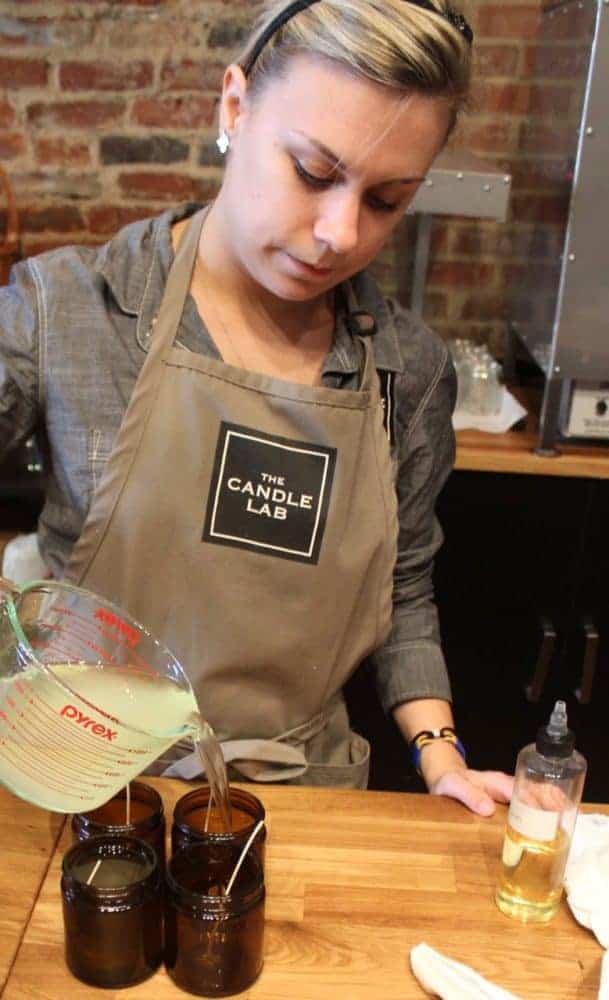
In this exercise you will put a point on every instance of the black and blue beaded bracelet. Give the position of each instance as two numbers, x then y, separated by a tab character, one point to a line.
426	736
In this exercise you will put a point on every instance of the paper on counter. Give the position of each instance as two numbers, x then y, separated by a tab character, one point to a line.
511	412
450	980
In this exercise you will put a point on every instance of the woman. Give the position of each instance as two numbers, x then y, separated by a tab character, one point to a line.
210	388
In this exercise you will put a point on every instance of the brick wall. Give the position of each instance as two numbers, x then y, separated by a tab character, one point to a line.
107	114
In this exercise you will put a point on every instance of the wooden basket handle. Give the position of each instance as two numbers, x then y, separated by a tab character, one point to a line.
11	242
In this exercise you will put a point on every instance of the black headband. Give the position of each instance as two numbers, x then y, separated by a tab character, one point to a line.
457	21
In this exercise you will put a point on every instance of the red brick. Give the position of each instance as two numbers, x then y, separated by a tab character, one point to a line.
536	137
550	99
105	75
34	245
110	218
76	114
435	306
16	73
535	175
439	237
504	98
72	31
486	137
51	219
570	22
166	187
523	275
141	3
496	60
63	152
522	99
12	144
7	115
485	306
194	111
539	208
477	238
508	21
461	273
555	61
188	74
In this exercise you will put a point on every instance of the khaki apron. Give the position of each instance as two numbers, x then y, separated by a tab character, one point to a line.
250	523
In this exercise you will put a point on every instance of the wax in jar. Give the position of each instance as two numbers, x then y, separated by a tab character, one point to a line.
112	911
194	822
146	818
213	941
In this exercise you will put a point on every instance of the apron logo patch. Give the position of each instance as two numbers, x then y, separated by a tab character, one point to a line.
269	494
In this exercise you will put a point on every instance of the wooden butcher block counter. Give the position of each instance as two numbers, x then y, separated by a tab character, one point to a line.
354	880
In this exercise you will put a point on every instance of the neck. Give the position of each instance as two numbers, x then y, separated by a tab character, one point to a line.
273	317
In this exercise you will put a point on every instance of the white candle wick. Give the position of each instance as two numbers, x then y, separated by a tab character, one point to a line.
251	838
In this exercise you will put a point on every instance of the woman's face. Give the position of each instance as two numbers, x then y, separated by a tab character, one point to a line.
323	164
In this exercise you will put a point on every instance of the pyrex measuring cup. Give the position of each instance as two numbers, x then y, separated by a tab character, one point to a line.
88	698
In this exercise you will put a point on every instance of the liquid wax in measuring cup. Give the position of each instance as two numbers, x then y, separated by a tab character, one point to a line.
74	732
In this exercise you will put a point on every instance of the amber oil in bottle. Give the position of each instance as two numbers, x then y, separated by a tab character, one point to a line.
547	791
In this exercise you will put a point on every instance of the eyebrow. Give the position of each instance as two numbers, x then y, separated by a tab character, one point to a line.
333	158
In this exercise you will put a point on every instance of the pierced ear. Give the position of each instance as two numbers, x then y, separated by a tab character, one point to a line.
234	97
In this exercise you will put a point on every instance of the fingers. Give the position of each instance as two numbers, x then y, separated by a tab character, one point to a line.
498	785
458	785
478	790
543	795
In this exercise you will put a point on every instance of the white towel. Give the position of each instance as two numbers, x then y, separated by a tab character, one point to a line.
587	883
22	561
587	874
452	980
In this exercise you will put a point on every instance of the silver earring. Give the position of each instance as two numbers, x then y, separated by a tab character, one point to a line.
223	142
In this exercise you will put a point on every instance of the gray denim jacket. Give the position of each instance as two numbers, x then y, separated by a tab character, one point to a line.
75	325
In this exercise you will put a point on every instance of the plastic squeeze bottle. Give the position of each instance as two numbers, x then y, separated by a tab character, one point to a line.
547	791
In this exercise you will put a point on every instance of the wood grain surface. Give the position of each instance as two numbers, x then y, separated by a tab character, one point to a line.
27	837
515	452
354	880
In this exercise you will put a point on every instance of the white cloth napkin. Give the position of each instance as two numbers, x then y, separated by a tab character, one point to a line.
587	883
450	980
587	874
22	561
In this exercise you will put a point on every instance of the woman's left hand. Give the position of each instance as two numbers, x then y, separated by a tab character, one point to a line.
478	790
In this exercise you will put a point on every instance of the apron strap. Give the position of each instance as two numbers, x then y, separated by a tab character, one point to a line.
279	759
257	760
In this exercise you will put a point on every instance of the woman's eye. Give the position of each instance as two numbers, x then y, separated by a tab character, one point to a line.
311	179
380	205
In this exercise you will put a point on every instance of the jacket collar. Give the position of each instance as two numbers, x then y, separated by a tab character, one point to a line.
134	264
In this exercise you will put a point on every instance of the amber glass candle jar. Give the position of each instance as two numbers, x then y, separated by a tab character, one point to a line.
213	942
146	819
112	911
190	820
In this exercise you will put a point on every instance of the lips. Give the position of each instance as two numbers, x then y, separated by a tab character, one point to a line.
318	272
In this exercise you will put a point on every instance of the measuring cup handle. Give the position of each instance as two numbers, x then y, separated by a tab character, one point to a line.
8	589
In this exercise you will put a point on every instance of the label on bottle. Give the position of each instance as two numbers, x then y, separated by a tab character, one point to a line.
536	824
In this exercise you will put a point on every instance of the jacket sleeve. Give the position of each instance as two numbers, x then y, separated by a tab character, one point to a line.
411	663
19	330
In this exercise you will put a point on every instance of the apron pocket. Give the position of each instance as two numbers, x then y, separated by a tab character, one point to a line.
353	773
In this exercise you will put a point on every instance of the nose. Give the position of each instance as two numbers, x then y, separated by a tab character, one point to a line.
337	223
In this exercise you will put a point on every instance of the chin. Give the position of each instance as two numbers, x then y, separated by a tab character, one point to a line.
288	288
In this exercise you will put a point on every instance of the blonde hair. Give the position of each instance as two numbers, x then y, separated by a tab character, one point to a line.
391	42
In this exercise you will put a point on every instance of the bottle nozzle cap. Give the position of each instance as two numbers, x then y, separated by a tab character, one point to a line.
556	739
